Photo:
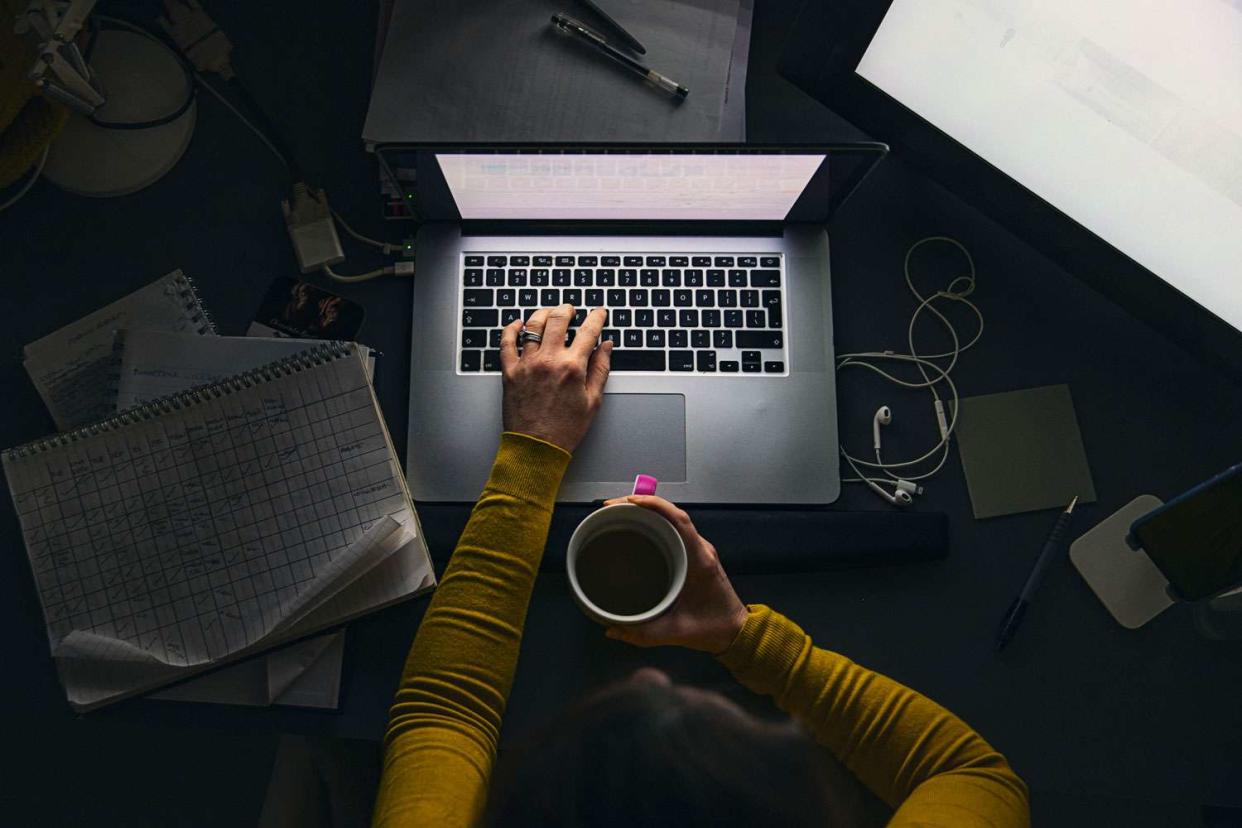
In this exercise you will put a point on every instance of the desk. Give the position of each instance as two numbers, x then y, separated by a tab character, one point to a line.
1102	722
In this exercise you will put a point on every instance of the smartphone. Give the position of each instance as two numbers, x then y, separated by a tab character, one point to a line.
1195	539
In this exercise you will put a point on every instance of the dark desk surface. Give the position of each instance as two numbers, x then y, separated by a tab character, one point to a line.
1098	719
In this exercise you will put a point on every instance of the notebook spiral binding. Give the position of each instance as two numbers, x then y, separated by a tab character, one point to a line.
195	311
316	355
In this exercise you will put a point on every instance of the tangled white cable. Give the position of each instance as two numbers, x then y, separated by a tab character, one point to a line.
903	482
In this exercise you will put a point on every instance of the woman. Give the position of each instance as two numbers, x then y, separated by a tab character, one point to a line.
644	751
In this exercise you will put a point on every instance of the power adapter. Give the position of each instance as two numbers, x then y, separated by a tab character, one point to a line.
311	229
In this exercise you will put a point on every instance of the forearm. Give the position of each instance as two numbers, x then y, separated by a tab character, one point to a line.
895	740
460	668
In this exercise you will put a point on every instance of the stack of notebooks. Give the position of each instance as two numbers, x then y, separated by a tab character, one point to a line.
242	494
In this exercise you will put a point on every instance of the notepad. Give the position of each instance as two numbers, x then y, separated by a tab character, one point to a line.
74	368
216	523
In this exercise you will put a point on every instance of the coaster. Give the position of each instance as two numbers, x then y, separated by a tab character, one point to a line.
1021	451
1124	579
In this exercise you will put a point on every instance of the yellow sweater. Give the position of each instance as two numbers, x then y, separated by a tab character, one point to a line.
441	740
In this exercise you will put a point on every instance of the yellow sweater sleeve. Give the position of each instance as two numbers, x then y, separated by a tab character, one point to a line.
918	757
444	724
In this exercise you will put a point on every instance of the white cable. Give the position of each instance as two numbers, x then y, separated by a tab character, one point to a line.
396	269
385	246
958	289
34	176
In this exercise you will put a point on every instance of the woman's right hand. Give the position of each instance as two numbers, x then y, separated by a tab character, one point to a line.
708	615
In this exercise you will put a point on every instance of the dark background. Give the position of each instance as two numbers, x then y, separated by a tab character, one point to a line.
1108	726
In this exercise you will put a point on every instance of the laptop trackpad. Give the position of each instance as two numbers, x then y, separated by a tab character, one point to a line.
634	434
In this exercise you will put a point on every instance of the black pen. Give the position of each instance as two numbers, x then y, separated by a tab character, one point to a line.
579	30
1018	608
626	38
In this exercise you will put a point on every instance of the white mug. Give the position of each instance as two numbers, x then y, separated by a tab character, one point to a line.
636	519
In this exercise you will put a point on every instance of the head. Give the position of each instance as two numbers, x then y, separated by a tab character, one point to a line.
646	751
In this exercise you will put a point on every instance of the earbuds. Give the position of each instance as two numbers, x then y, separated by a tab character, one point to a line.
883	416
903	490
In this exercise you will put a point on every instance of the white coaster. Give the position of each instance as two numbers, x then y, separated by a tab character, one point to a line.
1124	579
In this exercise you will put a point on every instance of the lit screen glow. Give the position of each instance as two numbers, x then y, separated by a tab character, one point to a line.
1127	116
627	187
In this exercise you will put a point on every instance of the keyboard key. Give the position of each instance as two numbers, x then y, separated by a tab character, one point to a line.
610	335
616	298
774	317
681	360
506	297
715	278
491	360
747	261
527	313
517	277
571	296
610	261
666	318
494	337
509	315
495	277
765	278
638	298
693	278
629	360
621	317
540	276
594	298
519	261
655	339
769	261
678	339
471	360
497	261
728	366
672	278
722	339
750	298
760	339
733	318
705	298
737	278
751	356
565	261
701	261
688	319
683	298
633	339
480	318
474	339
584	278
605	277
473	277
543	261
706	361
701	339
655	261
773	367
756	319
478	298
661	298
751	367
649	278
569	336
528	298
474	261
772	299
588	261
644	318
678	261
561	277
727	298
580	316
627	278
711	318
633	261
549	297
724	261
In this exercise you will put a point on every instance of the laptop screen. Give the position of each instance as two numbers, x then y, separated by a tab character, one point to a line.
628	186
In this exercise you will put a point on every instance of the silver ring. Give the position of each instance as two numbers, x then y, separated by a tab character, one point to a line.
529	336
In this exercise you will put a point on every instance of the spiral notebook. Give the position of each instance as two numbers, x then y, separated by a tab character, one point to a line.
213	524
74	368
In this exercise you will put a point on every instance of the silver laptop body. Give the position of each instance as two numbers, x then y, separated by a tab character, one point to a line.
753	422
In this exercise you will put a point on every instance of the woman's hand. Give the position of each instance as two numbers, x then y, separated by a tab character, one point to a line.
552	390
708	615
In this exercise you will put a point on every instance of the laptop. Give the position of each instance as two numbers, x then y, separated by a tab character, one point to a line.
713	263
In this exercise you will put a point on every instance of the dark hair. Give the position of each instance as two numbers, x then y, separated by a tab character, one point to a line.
639	754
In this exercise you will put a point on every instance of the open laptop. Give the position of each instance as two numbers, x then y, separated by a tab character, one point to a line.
713	264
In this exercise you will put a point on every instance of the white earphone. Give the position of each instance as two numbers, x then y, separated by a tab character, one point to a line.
903	490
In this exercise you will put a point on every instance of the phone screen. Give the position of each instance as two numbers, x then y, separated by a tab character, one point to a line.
1196	539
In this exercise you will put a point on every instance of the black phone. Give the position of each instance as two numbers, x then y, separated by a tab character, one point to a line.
1195	539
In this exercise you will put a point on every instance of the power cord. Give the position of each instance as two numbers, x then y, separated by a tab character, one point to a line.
904	483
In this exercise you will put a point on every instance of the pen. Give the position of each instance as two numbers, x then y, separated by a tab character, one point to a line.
626	38
1018	608
579	30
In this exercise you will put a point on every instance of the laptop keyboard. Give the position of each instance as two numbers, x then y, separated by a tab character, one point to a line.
667	313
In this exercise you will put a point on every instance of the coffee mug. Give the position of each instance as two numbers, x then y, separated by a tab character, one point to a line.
627	564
